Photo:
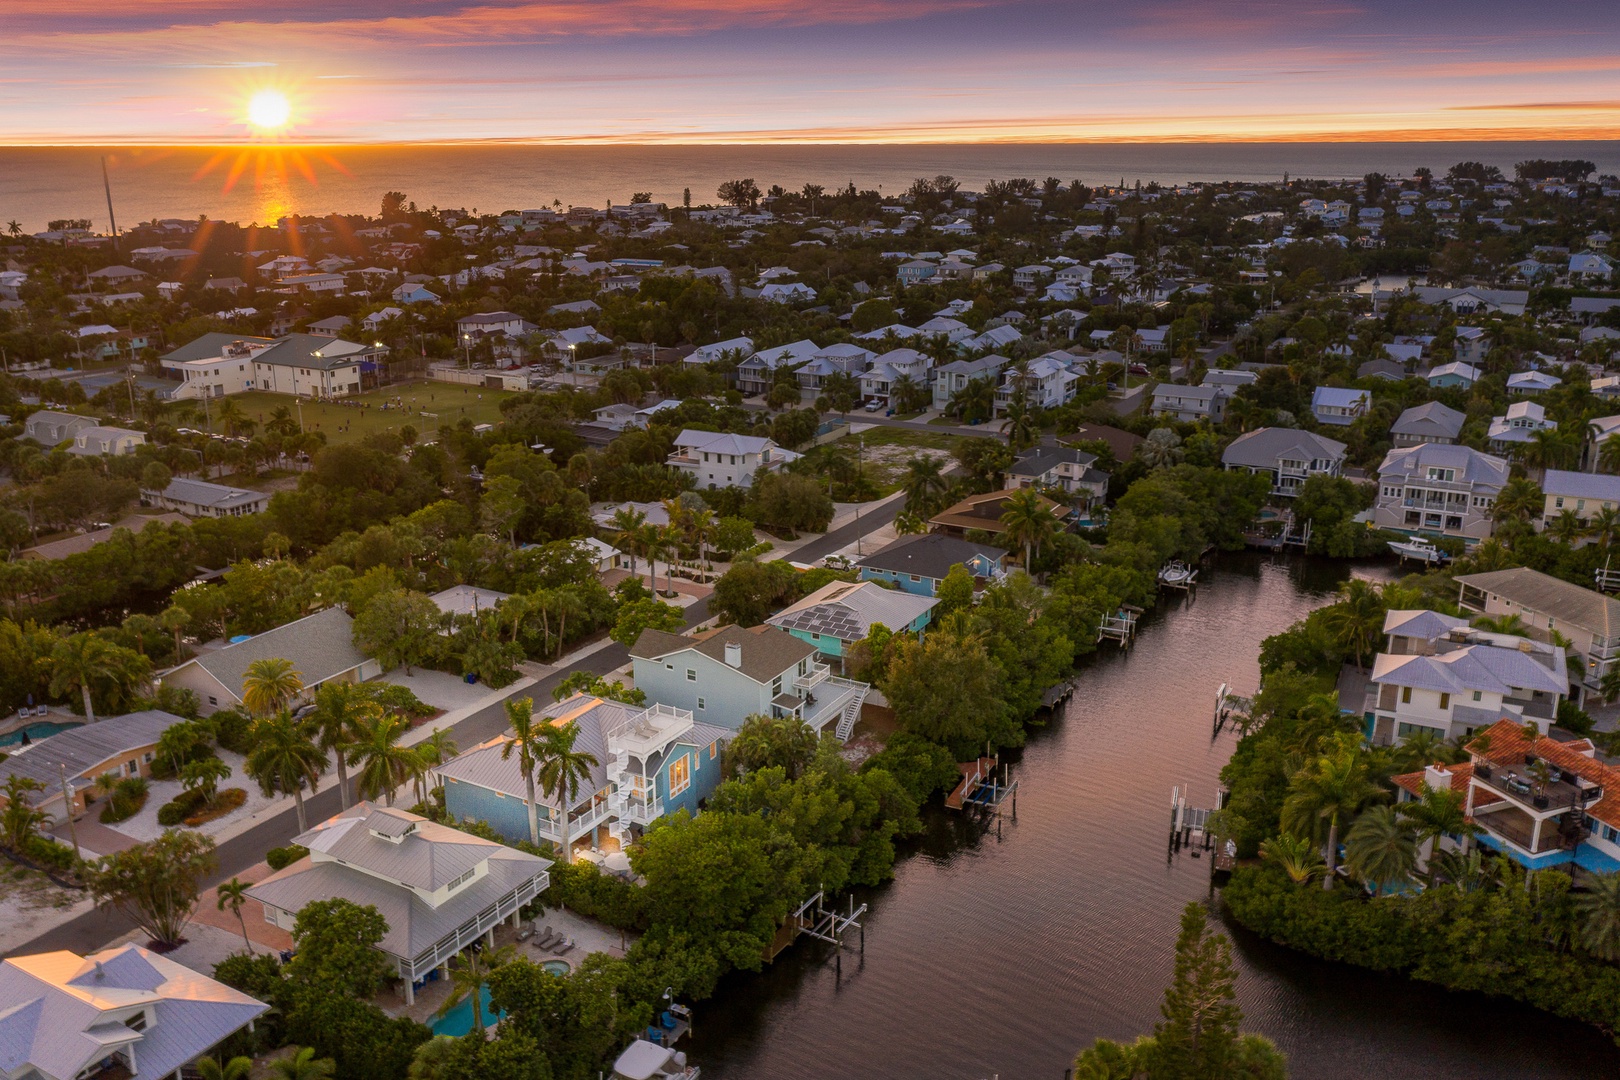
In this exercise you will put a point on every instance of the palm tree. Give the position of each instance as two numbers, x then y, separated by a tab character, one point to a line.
238	1068
1549	448
1604	526
1161	449
651	538
561	768
1381	849
270	684
1519	500
973	401
339	708
526	741
1469	873
233	894
82	661
385	765
1357	620
566	600
1021	424
669	545
1027	521
1331	790
1296	855
285	756
433	751
1503	624
1566	527
175	619
303	1065
1440	812
627	525
1599	908
468	978
1609	455
14	227
923	479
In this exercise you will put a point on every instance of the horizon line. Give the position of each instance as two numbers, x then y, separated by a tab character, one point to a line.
1401	137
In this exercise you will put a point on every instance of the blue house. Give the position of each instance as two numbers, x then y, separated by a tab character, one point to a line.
650	762
841	613
1455	373
919	563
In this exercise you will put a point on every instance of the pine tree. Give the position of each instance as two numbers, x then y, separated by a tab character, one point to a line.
1200	1028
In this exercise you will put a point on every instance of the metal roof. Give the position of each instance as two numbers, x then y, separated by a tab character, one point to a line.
1471	465
81	750
1430	418
212	347
1264	447
61	1013
219	496
484	766
1534	591
847	611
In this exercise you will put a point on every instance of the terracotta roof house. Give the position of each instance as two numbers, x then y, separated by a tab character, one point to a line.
983	513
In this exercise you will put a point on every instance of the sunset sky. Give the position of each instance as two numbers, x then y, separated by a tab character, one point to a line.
81	71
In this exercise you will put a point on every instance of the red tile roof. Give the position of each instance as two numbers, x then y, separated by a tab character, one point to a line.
1413	782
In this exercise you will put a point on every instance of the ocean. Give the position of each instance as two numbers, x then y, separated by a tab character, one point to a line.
261	184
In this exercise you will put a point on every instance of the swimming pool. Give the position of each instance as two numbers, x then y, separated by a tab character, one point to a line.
43	729
458	1020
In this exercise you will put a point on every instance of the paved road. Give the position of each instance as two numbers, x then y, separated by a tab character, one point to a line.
92	930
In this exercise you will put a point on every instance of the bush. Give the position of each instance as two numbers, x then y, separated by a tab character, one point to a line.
184	806
233	730
224	803
127	799
258	975
588	891
170	814
47	852
281	857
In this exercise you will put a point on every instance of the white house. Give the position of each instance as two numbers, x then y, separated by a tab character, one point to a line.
1046	383
1339	407
1523	420
721	459
1439	490
1289	456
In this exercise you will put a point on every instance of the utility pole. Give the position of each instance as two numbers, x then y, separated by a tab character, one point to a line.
67	804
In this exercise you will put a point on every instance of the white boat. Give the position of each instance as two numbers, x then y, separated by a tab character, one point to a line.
1418	548
1177	574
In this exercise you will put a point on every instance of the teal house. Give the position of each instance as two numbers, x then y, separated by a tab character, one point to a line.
919	563
841	613
650	762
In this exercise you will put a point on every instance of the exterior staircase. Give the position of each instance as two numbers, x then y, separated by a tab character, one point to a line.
851	714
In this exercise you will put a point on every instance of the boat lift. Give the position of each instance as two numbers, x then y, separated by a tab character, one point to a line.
1230	706
1120	626
815	919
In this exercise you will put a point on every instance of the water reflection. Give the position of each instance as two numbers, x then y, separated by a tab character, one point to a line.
1004	956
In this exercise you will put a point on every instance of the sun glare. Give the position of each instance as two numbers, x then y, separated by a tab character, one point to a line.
269	110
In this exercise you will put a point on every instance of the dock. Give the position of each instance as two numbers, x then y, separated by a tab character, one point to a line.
1057	695
1233	707
815	919
973	775
1120	626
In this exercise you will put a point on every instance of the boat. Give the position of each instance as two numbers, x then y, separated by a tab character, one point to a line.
1418	548
1177	575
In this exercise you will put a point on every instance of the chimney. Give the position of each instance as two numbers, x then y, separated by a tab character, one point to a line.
734	653
1436	777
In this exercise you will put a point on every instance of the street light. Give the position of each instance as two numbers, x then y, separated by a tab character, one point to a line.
466	348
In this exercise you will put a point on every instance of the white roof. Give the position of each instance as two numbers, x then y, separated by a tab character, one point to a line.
722	442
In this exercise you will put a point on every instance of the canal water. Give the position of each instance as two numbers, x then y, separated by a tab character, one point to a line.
1005	955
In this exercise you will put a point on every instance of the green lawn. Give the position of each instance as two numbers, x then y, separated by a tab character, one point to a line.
344	423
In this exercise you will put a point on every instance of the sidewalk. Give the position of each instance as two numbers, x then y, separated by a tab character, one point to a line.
843	514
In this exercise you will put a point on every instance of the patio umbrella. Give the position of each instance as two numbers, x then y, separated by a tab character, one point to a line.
618	862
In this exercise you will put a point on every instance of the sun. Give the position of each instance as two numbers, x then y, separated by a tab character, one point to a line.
269	110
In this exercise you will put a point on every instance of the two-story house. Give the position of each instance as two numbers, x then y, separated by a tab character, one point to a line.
1439	490
840	613
1339	407
51	428
1430	422
121	1012
1583	494
1449	679
756	374
956	375
1511	432
1587	619
717	459
877	382
1191	404
439	889
1289	456
102	440
213	365
1062	468
843	358
649	762
1046	382
726	676
1531	383
919	563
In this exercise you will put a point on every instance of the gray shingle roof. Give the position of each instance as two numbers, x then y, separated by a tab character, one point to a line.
1264	447
209	346
1581	485
1472	467
61	1013
1039	460
929	555
1429	420
320	646
766	651
80	750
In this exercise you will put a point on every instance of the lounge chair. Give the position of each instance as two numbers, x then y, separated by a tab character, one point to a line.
525	932
566	946
548	941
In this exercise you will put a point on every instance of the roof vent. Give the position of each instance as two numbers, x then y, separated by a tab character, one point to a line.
101	973
734	653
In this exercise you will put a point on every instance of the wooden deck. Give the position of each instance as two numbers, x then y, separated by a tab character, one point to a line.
974	773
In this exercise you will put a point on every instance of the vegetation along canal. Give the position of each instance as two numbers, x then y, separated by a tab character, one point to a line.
989	956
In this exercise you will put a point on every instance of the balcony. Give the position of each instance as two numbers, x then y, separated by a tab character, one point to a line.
1519	829
813	678
1518	785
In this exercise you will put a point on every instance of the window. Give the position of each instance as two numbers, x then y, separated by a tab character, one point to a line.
1477	695
680	774
1445	701
148	756
1406	695
132	767
462	880
213	700
691	675
714	748
776	686
702	705
137	1022
916	577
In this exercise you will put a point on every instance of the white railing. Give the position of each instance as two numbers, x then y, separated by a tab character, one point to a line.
813	678
471	931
